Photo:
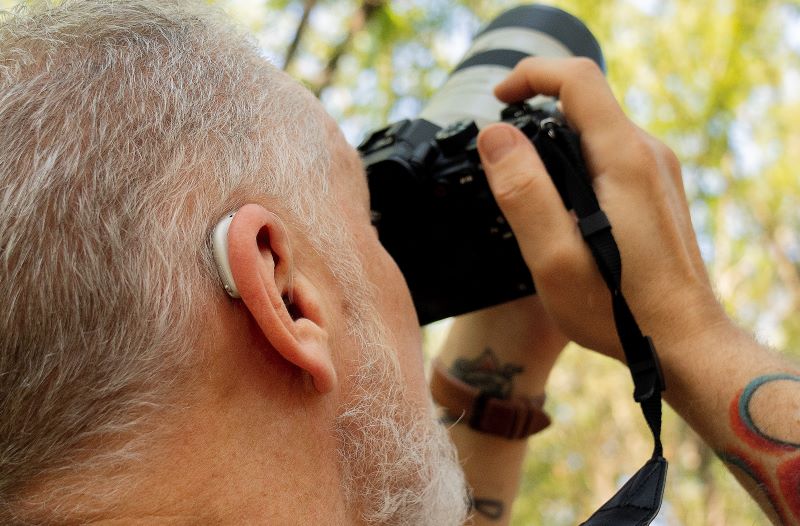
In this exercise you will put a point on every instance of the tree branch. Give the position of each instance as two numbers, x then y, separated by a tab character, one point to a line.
308	6
357	24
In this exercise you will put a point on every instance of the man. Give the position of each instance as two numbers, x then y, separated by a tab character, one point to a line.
136	391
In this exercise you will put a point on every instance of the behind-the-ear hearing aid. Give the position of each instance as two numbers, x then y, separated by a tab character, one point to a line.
219	246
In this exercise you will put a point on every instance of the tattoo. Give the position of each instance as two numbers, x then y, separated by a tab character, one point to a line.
784	481
755	473
489	508
744	409
789	480
487	374
743	426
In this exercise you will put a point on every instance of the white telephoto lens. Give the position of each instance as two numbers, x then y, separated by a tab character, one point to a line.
532	30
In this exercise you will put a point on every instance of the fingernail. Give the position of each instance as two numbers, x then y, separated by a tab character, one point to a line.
496	142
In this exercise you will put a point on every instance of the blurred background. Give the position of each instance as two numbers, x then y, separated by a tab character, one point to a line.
718	81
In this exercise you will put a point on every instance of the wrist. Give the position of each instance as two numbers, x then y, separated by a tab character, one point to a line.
697	325
486	366
486	405
515	338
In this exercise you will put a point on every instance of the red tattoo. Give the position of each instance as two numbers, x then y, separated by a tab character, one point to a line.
746	433
789	479
759	475
785	480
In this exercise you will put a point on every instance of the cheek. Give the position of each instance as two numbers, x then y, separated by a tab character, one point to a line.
398	312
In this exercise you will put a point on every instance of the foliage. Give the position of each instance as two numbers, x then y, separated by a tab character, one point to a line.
718	81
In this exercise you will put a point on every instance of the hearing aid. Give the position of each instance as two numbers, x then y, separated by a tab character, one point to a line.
219	247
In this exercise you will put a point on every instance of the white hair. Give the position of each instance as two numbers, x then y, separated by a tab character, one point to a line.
127	130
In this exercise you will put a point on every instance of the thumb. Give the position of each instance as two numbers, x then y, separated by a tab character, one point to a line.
527	197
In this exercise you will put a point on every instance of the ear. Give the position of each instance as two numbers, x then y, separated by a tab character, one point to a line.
260	257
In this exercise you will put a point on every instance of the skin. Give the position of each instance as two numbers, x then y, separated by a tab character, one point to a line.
276	377
708	362
315	344
272	376
520	333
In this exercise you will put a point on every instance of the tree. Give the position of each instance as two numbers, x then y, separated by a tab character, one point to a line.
714	80
718	81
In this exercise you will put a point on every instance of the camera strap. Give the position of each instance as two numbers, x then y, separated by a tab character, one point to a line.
637	503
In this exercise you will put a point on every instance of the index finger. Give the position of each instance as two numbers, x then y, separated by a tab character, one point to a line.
586	98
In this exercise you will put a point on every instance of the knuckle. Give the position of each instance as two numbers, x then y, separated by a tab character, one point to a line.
665	163
523	68
583	67
555	263
671	162
515	187
641	160
527	63
670	159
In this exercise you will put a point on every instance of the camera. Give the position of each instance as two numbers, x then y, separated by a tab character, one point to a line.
430	199
437	217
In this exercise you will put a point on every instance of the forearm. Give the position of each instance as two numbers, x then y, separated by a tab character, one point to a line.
512	338
741	398
744	400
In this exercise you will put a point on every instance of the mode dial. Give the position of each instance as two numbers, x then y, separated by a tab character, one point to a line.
454	139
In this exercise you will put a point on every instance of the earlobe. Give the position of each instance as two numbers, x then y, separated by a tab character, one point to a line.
261	265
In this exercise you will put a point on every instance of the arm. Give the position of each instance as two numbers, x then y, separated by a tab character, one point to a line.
519	344
743	399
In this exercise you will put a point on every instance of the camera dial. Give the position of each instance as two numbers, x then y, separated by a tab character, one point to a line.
453	139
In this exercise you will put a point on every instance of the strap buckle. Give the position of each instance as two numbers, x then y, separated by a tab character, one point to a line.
593	223
648	378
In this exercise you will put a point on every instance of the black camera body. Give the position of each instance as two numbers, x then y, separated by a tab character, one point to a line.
437	217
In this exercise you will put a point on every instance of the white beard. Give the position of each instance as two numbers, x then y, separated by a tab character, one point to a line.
398	464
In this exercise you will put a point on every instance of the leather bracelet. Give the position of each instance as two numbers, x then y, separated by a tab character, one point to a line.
512	418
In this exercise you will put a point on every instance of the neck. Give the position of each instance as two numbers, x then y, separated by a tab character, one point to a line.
230	463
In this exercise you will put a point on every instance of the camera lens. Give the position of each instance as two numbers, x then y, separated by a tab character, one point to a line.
529	30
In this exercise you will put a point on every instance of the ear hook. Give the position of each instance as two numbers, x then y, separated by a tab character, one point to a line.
219	246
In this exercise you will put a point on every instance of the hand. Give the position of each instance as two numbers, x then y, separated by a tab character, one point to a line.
638	183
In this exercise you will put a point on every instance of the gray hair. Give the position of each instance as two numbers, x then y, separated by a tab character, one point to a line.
127	130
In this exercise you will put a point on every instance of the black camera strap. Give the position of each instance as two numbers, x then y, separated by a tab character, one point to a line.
637	503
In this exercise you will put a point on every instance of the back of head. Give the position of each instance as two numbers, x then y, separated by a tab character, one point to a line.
128	129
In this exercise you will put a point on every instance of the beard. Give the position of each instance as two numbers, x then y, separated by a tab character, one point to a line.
399	466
